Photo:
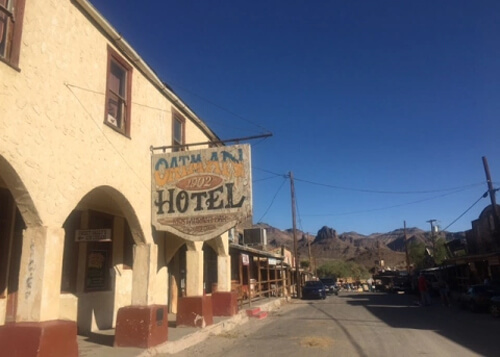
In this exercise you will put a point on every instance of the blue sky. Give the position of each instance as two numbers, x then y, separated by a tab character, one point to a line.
381	109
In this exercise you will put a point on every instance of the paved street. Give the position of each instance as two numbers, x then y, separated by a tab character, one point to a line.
359	324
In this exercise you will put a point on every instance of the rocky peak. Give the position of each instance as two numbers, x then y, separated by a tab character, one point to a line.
326	233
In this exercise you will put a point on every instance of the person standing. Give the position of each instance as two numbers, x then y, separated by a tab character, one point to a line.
425	299
444	292
370	283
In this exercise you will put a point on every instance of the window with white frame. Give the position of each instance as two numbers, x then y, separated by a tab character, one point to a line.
178	131
118	93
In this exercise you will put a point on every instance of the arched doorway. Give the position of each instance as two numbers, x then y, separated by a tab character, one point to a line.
11	235
209	269
97	272
17	211
176	278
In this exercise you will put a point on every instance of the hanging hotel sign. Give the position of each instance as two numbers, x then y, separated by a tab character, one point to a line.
200	194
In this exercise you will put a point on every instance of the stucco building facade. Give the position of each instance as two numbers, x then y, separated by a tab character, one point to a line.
79	111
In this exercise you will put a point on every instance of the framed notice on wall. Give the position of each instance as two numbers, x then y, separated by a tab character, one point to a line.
245	259
93	235
97	275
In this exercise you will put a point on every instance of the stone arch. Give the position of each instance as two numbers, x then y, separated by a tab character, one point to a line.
94	302
175	259
210	269
216	245
174	243
111	200
20	193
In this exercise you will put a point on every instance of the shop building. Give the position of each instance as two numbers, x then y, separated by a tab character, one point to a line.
477	258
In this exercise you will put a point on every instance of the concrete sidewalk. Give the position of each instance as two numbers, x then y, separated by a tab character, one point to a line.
179	338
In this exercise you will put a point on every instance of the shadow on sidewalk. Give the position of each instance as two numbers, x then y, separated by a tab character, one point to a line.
105	338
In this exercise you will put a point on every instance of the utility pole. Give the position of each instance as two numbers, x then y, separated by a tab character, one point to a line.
406	250
492	191
431	221
295	248
433	240
310	253
378	254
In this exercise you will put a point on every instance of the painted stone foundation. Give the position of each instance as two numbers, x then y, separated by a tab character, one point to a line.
39	339
194	311
225	303
141	326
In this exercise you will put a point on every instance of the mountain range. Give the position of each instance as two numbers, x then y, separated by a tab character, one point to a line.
351	246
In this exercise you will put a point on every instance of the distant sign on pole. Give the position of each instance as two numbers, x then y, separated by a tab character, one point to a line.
245	259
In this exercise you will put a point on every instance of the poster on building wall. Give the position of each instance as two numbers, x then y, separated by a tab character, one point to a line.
200	194
95	279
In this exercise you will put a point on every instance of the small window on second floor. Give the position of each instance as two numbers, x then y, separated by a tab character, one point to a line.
118	92
178	134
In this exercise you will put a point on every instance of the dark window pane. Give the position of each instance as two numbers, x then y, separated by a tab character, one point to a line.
3	33
177	132
5	22
117	79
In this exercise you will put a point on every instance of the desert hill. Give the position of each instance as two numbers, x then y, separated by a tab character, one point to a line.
352	246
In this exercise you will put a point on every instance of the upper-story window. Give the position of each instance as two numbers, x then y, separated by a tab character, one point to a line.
118	93
178	131
11	25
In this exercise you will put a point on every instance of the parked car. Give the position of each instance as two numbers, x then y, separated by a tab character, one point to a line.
314	289
401	284
495	306
330	285
432	283
477	297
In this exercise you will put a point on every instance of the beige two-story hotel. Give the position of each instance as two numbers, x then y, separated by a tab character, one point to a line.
80	111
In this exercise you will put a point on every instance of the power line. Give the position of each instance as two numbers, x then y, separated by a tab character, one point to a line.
118	152
258	142
222	108
387	207
272	201
102	94
366	190
265	178
467	210
270	172
386	192
449	191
